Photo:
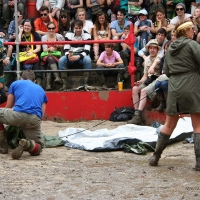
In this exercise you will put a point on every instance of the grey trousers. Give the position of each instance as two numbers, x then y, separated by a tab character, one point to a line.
29	123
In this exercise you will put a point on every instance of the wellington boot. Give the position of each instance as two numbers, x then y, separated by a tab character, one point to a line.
57	77
39	81
197	150
137	118
101	79
119	77
24	145
86	77
161	144
64	81
48	82
162	104
3	142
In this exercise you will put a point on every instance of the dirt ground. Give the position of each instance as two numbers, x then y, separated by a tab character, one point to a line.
62	173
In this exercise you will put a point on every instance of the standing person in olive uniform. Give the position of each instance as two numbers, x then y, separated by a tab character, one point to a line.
181	65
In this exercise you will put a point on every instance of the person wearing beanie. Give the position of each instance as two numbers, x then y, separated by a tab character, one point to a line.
181	15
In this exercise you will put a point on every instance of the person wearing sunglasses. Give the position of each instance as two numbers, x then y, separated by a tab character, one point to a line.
50	61
41	22
53	5
8	10
76	54
11	28
64	22
181	16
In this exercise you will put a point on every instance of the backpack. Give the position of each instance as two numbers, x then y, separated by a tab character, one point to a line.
122	114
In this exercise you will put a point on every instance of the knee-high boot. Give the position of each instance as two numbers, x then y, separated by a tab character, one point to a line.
86	77
64	81
161	144
48	82
3	141
57	77
162	104
197	150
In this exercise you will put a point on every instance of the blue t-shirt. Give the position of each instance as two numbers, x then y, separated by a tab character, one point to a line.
29	97
114	25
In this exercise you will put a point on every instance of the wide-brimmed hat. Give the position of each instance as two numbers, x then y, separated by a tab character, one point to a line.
154	43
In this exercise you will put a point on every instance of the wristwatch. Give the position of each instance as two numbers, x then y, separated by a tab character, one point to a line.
7	58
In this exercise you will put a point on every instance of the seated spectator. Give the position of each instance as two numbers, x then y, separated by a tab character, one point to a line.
8	10
125	52
181	16
161	38
27	34
109	59
136	7
161	21
144	88
50	61
54	7
94	7
117	26
161	85
72	6
2	32
11	28
41	22
171	35
64	22
114	6
155	5
76	54
143	28
101	32
87	25
196	21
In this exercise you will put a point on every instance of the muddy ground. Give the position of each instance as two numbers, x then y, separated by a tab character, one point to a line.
62	173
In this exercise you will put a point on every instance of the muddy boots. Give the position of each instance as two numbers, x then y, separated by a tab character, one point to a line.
161	144
197	150
26	145
86	76
64	81
48	82
57	77
162	101
137	118
3	141
39	80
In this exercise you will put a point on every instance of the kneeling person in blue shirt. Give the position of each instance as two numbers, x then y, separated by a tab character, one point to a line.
25	108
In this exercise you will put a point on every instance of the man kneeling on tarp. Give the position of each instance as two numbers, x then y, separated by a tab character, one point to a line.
25	108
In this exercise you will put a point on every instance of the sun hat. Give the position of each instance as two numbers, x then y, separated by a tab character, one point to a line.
154	43
143	11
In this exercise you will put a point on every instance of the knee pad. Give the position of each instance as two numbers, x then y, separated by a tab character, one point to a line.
36	150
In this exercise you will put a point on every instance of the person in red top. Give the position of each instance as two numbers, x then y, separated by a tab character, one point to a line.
41	23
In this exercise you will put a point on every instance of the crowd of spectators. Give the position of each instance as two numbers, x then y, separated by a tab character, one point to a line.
92	19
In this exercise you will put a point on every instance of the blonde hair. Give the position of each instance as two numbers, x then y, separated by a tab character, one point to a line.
182	28
80	10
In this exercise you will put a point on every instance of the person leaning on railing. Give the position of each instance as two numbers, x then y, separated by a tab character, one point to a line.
76	54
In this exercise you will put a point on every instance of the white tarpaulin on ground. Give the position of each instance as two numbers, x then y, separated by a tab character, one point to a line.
104	139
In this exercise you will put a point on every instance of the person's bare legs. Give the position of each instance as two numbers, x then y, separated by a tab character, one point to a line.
135	97
163	138
143	100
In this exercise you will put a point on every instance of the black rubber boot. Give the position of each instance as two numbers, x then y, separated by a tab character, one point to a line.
48	82
57	77
64	81
3	143
162	104
161	144
86	76
197	150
